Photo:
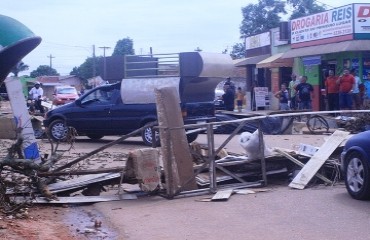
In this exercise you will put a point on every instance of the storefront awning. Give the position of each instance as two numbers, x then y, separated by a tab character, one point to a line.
275	61
347	46
251	60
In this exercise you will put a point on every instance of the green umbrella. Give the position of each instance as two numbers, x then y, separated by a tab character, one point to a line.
16	41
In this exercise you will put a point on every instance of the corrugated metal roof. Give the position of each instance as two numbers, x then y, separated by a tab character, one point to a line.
251	60
275	61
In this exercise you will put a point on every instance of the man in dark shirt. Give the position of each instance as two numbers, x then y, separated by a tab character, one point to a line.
228	98
304	94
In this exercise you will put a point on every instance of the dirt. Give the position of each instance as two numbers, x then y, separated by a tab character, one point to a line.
42	223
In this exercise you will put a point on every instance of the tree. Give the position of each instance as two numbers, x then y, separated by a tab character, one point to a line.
86	69
44	70
124	47
19	67
238	51
304	8
261	17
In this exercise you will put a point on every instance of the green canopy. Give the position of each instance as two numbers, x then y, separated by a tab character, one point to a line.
16	41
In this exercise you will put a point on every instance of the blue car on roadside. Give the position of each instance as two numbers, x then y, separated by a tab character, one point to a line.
355	164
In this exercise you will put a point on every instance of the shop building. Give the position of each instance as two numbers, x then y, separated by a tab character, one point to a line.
332	40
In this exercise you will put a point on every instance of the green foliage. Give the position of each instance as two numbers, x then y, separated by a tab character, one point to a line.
304	8
261	17
124	47
238	51
19	67
86	69
44	70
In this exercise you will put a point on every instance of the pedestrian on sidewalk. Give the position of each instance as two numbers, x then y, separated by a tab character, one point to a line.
346	84
283	96
239	99
292	91
332	90
356	98
304	94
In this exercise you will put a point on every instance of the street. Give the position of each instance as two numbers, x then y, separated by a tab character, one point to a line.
318	212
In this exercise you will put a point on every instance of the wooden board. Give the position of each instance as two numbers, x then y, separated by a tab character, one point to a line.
222	195
318	159
177	159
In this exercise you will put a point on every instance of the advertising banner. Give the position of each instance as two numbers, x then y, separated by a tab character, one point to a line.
257	41
261	96
314	29
362	21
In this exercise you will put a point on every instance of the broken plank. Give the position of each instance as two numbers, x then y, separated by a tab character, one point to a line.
299	163
318	159
78	199
222	195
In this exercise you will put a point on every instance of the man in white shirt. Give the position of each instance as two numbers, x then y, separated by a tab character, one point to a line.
357	103
36	93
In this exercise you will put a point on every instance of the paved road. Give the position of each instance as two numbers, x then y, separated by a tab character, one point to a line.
315	213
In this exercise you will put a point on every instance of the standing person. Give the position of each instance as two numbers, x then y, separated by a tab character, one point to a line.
239	99
346	83
231	84
304	94
356	98
292	92
35	94
283	96
228	97
332	91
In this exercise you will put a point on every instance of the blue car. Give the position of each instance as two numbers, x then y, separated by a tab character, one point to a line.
355	164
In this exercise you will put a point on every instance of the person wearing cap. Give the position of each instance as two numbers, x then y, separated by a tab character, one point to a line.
35	94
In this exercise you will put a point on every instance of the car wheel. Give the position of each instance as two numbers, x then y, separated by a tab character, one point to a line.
94	136
357	176
58	130
147	137
191	137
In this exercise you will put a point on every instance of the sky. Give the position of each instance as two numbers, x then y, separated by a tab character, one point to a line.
70	28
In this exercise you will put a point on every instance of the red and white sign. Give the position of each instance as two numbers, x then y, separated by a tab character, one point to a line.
336	24
362	18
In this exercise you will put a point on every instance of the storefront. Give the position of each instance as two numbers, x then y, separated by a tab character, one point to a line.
331	40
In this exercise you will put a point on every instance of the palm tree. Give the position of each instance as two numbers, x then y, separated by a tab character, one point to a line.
19	67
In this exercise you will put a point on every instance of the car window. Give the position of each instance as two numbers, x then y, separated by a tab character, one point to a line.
100	95
67	91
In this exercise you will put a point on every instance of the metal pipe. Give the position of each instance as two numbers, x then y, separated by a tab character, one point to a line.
211	157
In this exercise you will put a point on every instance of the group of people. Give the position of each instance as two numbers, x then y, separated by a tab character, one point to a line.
297	95
344	92
231	94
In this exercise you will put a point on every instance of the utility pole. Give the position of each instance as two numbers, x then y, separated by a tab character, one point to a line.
51	62
105	62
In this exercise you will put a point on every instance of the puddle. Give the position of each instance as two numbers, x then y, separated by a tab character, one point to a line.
88	223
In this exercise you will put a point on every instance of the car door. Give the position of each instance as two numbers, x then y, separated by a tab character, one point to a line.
129	117
94	111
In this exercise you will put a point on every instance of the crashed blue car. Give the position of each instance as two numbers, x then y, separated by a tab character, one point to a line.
355	164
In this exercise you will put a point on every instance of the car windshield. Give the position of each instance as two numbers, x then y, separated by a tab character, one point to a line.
67	91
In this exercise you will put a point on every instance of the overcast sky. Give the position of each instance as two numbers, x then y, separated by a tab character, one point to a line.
69	28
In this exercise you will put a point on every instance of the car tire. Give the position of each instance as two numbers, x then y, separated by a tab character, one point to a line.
94	136
147	137
192	137
58	130
357	176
